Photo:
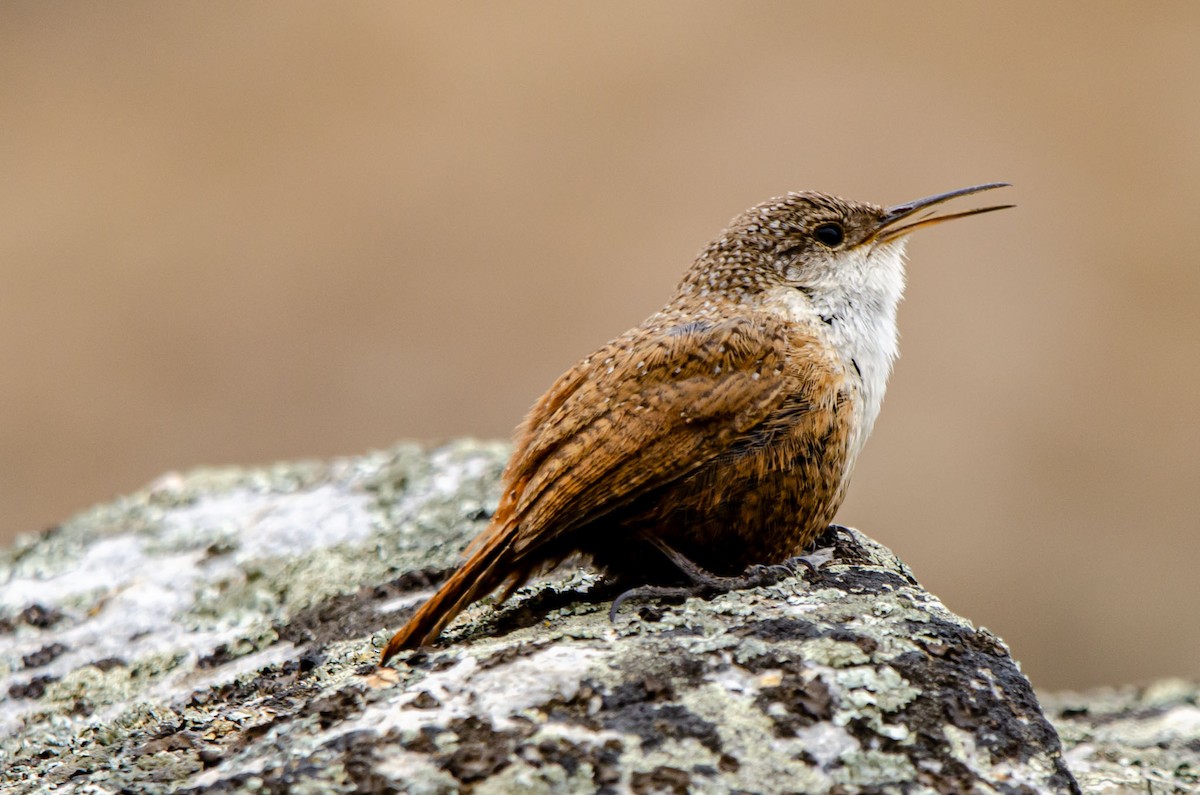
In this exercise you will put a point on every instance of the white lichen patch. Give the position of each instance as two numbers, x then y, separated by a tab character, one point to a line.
400	602
263	524
526	683
836	652
419	772
105	565
127	597
542	780
879	687
870	768
497	693
827	743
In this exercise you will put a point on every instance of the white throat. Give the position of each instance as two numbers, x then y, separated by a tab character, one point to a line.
854	306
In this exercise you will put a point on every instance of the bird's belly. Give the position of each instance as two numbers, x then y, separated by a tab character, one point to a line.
727	518
763	501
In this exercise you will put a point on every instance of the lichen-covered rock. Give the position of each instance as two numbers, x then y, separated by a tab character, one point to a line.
218	632
1132	739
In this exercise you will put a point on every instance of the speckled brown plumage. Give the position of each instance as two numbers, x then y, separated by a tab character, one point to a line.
725	426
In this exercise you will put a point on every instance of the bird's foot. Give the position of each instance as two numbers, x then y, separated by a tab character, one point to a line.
812	561
675	592
705	584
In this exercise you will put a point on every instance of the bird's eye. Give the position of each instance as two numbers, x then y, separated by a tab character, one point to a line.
830	234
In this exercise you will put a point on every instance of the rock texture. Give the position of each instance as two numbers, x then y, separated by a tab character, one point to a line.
218	631
1132	739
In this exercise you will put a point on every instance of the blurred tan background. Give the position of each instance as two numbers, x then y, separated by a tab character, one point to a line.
237	233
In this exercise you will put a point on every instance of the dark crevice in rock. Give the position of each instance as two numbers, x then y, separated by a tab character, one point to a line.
34	688
862	581
35	615
662	780
532	610
806	702
43	656
357	615
654	723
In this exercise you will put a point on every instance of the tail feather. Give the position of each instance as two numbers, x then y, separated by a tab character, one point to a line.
487	568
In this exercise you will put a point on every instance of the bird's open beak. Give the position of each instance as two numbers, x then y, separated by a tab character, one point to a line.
888	229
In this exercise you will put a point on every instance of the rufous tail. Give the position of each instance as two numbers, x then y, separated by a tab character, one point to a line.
483	571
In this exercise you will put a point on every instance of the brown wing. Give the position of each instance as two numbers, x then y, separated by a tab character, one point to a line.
648	408
645	410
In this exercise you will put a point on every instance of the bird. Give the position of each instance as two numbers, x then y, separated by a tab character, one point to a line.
720	433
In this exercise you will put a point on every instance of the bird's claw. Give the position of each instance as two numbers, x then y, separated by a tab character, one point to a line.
705	583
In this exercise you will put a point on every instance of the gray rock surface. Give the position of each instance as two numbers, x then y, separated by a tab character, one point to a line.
218	632
1142	739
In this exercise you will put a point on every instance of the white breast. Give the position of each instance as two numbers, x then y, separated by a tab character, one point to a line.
853	307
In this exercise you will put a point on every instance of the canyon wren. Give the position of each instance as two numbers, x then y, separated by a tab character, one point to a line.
723	430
